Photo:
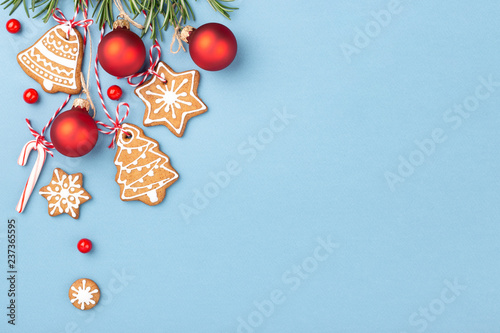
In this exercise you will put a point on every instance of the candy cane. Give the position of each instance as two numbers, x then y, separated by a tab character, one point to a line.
35	172
43	147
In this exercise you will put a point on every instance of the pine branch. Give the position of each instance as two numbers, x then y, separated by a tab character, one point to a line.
47	6
15	4
221	8
46	11
104	9
160	14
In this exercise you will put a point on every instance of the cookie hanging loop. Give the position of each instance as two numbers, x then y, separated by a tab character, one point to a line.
85	88
180	35
116	124
153	63
58	15
125	16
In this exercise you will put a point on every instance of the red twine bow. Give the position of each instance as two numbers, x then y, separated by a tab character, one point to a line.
116	124
71	24
153	62
40	140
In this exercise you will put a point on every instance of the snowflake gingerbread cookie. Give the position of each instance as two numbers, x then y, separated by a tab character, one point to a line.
65	193
143	171
171	99
84	294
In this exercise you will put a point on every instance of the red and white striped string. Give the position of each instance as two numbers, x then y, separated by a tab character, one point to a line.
71	24
153	62
115	123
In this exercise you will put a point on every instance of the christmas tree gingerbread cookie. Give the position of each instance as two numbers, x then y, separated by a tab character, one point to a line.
65	194
143	172
55	60
171	99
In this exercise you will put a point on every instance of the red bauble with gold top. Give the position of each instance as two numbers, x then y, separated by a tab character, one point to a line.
121	52
212	46
74	132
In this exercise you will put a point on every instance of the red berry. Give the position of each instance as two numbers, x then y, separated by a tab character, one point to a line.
30	96
13	26
84	245
115	92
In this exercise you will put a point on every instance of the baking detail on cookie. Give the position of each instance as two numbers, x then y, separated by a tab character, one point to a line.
143	171
84	294
65	193
54	60
171	103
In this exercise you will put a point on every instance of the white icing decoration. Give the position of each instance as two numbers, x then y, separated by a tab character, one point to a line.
152	196
39	59
169	98
48	84
83	295
51	56
62	192
160	161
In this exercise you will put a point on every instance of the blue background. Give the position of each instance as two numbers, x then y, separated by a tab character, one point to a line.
323	175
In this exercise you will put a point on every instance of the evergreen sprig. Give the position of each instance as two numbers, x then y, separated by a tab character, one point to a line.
160	14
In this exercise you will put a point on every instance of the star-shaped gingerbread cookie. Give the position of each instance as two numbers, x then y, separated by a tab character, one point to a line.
171	103
65	193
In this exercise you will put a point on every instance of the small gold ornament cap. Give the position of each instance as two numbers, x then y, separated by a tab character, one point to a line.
81	103
185	32
121	24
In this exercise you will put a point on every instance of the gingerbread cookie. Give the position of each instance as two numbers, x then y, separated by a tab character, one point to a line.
84	294
55	60
171	103
65	193
143	171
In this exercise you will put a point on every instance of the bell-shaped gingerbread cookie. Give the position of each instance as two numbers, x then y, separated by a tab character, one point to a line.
55	60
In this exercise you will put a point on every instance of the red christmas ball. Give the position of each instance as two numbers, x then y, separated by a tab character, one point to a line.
13	26
84	245
115	93
212	46
30	96
121	52
74	133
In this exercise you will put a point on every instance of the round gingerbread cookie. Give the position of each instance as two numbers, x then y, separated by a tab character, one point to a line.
84	294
